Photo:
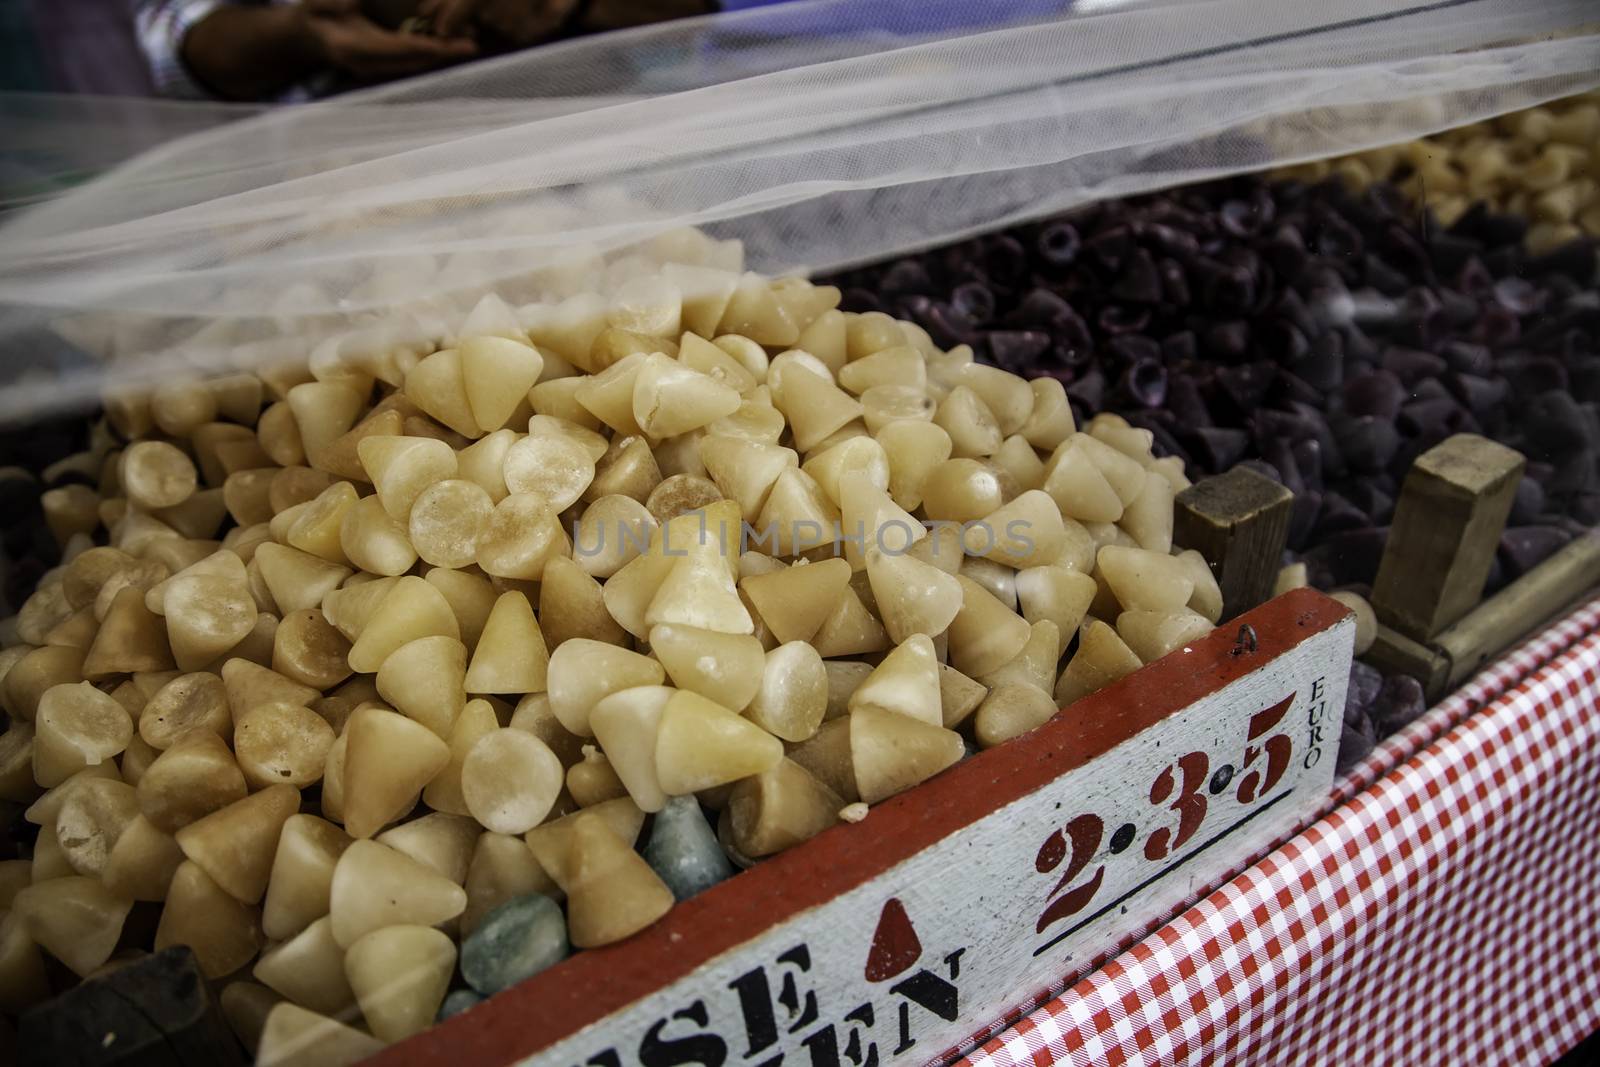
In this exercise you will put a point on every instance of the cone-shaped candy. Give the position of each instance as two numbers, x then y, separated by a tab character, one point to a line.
814	406
497	374
583	672
436	386
196	776
745	470
1057	594
442	842
1207	596
850	630
1153	634
308	969
375	886
869	514
411	609
142	862
779	809
130	639
1078	487
388	760
502	868
959	696
626	723
250	685
985	634
423	680
295	1037
906	682
890	752
611	891
223	933
1010	711
725	668
1144	580
236	844
297	579
400	975
796	601
444	793
671	398
1101	659
510	780
77	920
701	744
912	596
302	875
698	591
400	468
510	656
793	696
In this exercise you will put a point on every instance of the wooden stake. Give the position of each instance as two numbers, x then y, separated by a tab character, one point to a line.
1447	525
1239	521
1519	609
157	1012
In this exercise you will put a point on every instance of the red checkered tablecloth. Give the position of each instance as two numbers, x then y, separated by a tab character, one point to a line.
1445	909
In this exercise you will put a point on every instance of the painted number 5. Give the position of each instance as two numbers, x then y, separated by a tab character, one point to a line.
1276	748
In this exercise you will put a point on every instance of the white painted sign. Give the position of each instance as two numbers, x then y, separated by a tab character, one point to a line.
908	964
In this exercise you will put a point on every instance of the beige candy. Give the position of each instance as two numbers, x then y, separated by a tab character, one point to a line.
291	1035
282	744
891	752
510	655
301	878
192	778
235	845
780	808
701	744
388	761
308	969
375	886
195	701
1102	658
793	694
725	668
582	672
75	919
611	892
626	723
77	726
510	780
400	975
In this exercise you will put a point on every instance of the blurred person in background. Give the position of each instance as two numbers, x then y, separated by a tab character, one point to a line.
286	50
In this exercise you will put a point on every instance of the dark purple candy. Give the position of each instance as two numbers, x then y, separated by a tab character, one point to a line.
1376	502
1303	512
1111	247
1216	449
1174	283
1528	503
1227	341
1517	295
1351	555
906	276
1139	283
1185	402
1145	383
1058	244
1412	366
1132	348
1180	347
1575	259
1004	260
1017	350
1356	742
1398	704
1090	390
1464	357
1523	548
973	301
1339	515
1123	318
1378	394
1365	681
1247	385
1479	394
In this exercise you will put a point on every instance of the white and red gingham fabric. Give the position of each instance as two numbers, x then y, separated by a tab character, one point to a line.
1445	910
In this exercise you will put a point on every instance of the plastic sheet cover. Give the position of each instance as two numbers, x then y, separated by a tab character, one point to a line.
799	137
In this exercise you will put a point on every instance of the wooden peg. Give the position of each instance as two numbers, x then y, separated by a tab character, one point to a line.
156	1012
1239	521
1447	525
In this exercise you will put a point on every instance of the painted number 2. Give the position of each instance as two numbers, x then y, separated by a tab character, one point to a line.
1076	847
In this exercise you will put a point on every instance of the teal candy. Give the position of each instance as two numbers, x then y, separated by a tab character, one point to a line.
683	849
518	939
457	1002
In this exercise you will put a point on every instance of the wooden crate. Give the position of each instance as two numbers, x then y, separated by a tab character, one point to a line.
893	940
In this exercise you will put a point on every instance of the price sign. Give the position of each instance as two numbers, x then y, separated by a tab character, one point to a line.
893	940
